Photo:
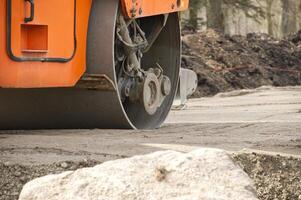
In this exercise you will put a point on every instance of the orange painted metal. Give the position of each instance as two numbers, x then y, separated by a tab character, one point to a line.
59	43
144	8
56	17
51	34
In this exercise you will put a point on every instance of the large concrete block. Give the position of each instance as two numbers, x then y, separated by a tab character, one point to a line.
205	174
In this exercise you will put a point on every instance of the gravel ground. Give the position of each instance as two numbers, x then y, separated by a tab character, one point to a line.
14	176
276	177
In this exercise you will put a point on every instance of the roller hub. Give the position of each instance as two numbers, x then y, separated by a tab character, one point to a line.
146	87
150	93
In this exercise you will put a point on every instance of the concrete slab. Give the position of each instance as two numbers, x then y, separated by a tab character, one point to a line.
265	104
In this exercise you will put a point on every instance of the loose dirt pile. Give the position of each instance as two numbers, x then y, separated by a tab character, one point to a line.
226	63
275	177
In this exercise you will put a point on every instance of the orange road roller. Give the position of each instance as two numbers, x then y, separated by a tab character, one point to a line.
88	63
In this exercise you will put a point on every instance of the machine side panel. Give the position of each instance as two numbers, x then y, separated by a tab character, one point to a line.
47	51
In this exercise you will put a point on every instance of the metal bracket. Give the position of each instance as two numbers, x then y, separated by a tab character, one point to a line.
188	83
31	17
96	82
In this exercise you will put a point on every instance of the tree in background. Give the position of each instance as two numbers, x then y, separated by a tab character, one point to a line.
215	18
195	6
290	15
269	16
276	17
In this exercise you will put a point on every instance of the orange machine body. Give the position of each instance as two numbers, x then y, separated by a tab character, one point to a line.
144	8
50	49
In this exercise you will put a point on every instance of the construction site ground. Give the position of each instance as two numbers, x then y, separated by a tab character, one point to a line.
261	128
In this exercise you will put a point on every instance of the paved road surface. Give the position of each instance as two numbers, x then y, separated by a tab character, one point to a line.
266	119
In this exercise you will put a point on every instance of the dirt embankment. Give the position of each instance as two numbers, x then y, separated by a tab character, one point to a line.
275	177
226	63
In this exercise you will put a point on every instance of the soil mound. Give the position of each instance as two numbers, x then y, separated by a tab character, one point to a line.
225	63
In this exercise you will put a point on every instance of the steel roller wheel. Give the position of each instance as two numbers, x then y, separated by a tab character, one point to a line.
82	108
